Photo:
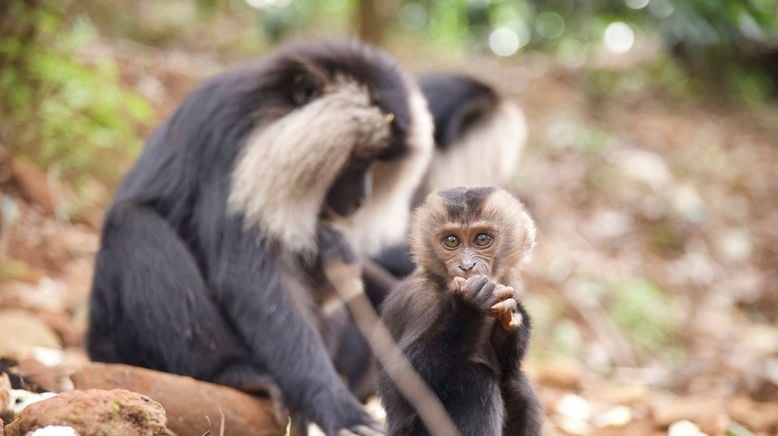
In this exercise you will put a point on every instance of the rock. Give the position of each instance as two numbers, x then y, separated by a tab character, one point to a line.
45	294
684	428
560	374
629	394
188	401
636	427
609	224
28	332
71	330
757	416
618	416
688	203
735	244
94	412
55	430
48	378
573	413
22	398
705	412
644	165
575	407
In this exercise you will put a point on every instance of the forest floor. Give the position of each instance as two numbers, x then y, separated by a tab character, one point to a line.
653	289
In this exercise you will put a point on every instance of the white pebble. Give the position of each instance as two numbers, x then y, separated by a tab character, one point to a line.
54	430
684	428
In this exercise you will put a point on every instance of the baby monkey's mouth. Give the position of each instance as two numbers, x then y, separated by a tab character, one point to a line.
464	274
479	269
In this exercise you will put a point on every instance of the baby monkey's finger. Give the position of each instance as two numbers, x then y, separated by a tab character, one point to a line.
503	307
457	283
502	293
506	313
485	296
475	283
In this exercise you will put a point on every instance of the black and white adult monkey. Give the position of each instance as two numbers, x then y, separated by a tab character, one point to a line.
479	138
209	264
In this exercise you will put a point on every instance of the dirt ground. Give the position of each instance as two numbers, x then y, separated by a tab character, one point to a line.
653	288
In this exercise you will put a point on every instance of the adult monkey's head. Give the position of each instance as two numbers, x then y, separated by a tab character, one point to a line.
342	136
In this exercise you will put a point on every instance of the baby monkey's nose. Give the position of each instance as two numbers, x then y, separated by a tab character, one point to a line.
467	267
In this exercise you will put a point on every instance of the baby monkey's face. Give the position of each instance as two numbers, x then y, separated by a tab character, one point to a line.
467	250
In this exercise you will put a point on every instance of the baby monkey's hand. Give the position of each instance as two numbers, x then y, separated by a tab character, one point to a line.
490	297
506	311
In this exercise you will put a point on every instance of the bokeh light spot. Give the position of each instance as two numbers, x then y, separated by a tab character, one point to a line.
571	53
267	4
504	41
636	4
619	37
661	8
413	16
550	25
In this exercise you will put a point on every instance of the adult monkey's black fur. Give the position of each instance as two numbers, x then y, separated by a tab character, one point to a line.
209	266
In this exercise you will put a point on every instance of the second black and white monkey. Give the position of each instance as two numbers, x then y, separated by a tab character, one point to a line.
209	261
479	133
458	321
479	138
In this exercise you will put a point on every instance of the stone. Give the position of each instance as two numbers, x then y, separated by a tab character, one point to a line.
42	375
684	428
29	332
55	430
93	412
705	412
560	374
757	416
188	401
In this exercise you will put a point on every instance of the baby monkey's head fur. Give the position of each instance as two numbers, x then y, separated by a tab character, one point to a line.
467	231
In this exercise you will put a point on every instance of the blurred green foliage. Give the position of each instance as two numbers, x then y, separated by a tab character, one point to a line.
58	107
726	45
637	309
60	104
644	312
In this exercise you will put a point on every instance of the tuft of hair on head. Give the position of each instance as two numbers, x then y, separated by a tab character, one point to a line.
465	206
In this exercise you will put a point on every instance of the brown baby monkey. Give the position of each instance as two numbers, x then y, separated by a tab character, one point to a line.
458	320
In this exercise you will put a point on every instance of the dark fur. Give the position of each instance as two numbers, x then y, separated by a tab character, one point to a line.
182	286
468	360
457	103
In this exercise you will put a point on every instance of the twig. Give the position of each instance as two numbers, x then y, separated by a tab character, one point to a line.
347	281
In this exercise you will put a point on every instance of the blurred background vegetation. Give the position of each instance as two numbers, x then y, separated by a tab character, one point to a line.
62	104
651	165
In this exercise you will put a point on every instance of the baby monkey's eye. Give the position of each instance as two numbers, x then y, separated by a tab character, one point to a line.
451	241
483	239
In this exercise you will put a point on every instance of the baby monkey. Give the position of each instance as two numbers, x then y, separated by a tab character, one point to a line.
458	321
